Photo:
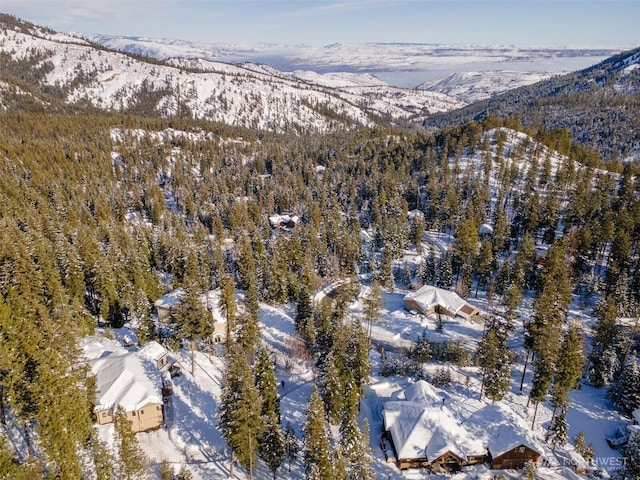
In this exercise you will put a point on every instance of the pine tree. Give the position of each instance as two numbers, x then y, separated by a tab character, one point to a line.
184	473
192	319
494	358
484	264
445	278
427	269
132	460
373	304
569	366
331	386
12	469
361	463
304	308
544	333
291	444
465	247
265	380
557	430
421	351
625	391
317	447
386	277
272	443
146	330
248	333
357	366
228	305
354	442
417	228
103	461
442	377
587	451
602	359
240	407
529	470
166	470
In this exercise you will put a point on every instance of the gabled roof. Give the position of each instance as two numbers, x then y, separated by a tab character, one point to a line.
153	351
420	431
170	300
429	297
500	429
125	379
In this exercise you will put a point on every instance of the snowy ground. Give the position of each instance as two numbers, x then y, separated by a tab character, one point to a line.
191	436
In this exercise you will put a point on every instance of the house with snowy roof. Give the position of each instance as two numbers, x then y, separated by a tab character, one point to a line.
505	436
284	222
125	379
425	431
154	352
167	304
430	299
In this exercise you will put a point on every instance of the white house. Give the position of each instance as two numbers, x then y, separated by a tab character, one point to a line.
430	299
128	380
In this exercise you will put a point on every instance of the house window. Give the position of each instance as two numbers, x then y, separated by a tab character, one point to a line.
157	407
133	414
520	449
104	414
141	412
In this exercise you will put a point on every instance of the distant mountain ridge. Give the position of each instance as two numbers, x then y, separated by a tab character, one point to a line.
38	61
599	105
401	64
472	87
362	56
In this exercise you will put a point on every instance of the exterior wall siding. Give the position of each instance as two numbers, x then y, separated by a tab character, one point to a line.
514	458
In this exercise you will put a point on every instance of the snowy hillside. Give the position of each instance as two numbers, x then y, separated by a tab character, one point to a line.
249	95
405	65
473	86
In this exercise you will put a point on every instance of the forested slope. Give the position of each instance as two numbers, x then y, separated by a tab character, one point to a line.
599	105
94	208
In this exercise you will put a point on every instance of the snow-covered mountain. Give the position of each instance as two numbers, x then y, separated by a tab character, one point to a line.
249	95
598	105
474	86
400	64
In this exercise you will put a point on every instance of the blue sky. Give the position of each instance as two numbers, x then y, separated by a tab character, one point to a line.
520	22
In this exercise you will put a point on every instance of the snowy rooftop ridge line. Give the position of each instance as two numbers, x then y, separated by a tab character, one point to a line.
123	378
423	425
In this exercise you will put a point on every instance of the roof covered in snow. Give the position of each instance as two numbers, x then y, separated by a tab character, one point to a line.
500	429
170	300
420	431
153	351
425	393
97	347
429	297
125	379
636	415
